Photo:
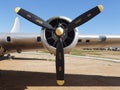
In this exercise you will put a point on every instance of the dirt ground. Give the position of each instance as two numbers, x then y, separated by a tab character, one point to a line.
36	71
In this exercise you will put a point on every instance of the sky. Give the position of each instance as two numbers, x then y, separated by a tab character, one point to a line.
107	22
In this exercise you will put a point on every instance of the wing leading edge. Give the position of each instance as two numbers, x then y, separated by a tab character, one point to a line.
98	41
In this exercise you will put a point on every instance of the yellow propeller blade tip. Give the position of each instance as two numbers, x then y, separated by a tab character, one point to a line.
17	9
60	82
100	7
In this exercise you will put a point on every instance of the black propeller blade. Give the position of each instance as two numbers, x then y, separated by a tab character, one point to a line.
60	62
85	17
33	18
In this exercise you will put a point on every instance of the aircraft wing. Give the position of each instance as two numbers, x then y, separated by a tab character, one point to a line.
17	42
98	41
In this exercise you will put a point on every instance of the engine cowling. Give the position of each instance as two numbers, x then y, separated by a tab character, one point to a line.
70	37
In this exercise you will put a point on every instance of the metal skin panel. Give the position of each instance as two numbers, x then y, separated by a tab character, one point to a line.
98	41
20	41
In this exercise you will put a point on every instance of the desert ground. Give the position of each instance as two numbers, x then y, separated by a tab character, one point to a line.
36	71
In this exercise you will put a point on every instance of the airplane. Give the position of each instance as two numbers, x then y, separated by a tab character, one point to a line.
59	35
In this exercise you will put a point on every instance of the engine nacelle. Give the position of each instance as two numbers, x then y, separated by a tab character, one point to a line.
69	38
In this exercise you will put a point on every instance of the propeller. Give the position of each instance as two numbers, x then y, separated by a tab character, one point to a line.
85	17
60	62
59	31
59	56
33	18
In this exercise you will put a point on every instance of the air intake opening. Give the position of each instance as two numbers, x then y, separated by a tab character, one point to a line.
38	39
8	38
80	40
87	41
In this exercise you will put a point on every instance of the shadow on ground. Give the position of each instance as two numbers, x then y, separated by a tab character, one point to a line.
19	58
24	79
4	58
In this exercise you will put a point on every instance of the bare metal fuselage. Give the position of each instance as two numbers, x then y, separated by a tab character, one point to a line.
12	42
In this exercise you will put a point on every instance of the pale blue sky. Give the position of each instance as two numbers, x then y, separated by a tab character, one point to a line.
107	22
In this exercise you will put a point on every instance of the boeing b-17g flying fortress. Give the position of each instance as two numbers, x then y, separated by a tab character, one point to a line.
59	36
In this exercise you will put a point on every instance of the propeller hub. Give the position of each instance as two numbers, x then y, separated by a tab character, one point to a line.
59	31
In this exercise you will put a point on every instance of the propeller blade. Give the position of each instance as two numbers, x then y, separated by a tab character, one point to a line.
85	17
33	18
60	62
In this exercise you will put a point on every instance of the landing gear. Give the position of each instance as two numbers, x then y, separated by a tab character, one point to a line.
9	56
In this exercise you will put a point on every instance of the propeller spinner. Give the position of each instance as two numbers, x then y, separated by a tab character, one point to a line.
59	31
